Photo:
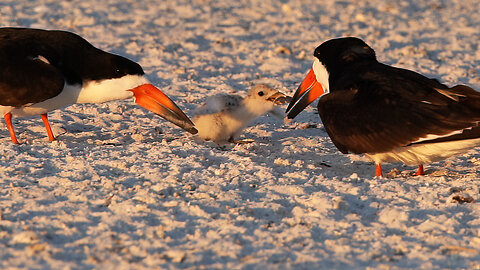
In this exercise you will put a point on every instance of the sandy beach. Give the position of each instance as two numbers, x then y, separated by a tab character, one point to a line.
122	188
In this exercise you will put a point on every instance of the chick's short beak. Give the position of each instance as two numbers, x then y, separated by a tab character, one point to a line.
279	98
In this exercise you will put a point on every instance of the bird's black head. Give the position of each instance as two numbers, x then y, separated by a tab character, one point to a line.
125	66
114	66
332	57
81	61
336	53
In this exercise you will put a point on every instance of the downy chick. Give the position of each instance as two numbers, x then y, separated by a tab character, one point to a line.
223	117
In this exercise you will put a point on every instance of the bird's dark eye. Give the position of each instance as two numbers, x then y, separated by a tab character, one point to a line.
260	93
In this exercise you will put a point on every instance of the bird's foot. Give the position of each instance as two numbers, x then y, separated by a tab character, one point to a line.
48	128
8	121
420	170
378	170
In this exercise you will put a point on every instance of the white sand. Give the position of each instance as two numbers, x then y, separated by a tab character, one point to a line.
124	189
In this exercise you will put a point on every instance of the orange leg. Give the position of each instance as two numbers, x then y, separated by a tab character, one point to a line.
47	126
8	120
378	171
420	170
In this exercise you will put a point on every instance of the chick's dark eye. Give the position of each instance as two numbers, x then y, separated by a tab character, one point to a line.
260	93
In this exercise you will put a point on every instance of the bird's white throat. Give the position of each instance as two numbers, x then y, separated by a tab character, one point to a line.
255	108
107	90
321	74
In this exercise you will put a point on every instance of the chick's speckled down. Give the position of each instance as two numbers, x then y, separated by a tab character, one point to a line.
223	117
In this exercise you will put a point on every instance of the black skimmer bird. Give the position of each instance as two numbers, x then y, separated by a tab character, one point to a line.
46	70
390	114
223	117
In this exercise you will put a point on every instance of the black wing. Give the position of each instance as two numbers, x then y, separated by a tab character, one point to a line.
26	76
376	109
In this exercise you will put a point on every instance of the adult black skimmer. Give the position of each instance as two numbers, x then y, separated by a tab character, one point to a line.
390	114
224	116
46	70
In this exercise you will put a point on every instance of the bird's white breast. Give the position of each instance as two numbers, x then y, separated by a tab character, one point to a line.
425	153
65	98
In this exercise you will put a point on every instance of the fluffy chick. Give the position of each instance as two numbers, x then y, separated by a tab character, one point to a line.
223	117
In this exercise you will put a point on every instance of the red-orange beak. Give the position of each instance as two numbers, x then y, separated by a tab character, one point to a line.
309	90
152	99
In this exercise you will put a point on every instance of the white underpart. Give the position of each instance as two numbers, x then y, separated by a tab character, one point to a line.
92	92
5	109
321	74
418	154
429	137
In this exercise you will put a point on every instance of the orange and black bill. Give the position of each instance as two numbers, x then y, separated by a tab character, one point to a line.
309	90
152	99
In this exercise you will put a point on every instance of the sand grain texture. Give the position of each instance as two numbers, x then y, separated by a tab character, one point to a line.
124	189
